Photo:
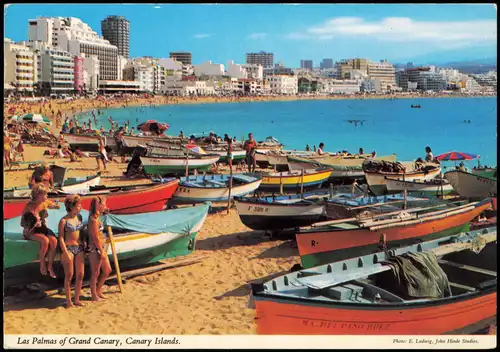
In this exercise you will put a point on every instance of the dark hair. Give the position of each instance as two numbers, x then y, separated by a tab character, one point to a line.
428	149
321	144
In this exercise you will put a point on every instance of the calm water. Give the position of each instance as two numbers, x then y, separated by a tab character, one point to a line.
390	126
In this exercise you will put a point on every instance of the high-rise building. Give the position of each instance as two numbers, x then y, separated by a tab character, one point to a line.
116	29
306	64
182	56
326	64
72	35
260	58
19	67
383	71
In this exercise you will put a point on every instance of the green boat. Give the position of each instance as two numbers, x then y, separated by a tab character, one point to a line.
140	239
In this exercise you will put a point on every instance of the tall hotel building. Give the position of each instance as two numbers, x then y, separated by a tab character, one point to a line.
182	56
19	67
116	29
260	58
71	34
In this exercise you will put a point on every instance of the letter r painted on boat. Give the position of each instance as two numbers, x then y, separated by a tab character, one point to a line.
313	243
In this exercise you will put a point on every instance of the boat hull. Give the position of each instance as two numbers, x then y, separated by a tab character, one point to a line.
168	166
271	183
83	187
454	316
321	246
274	216
378	184
418	188
141	200
472	186
85	143
192	195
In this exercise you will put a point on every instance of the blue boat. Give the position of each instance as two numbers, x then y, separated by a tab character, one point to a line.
214	188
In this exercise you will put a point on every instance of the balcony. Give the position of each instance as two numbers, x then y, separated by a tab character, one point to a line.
24	61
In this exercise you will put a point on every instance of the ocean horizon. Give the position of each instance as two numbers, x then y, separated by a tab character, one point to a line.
388	126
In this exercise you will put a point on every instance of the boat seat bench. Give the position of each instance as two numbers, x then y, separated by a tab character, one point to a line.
217	183
468	267
190	184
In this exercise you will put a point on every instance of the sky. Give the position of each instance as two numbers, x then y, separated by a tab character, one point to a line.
430	33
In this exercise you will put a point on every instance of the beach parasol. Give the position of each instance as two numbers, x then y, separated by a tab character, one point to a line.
196	149
152	125
38	118
16	118
454	156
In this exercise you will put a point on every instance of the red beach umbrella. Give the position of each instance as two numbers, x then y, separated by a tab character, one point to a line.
153	125
454	156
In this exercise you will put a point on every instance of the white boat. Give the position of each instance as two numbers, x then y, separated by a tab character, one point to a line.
472	185
164	165
278	213
377	180
214	188
434	187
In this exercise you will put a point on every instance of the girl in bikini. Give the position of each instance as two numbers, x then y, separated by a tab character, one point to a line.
35	227
99	261
73	248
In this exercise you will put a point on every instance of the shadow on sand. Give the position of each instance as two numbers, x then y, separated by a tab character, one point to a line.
244	290
247	238
283	250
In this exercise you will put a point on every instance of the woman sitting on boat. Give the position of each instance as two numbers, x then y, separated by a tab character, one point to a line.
99	261
428	157
42	175
35	228
320	148
73	248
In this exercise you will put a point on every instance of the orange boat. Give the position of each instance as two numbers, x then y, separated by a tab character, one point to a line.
340	239
386	293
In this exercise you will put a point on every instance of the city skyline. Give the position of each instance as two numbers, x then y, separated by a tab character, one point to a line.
399	33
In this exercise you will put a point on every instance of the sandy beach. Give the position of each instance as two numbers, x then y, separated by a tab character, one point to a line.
209	297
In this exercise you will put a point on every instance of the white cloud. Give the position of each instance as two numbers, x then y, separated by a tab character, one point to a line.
403	29
202	35
257	35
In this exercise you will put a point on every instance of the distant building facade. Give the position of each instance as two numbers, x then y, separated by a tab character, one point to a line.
326	64
266	60
306	64
116	29
183	56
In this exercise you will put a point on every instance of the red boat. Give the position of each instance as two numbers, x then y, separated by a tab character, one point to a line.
436	287
351	237
120	200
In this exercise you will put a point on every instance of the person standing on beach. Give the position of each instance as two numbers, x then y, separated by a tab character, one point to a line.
102	155
229	152
249	147
99	262
6	148
73	248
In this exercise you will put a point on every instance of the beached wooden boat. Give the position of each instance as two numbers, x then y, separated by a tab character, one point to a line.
277	159
283	212
344	238
347	205
376	173
485	171
294	180
139	238
238	154
171	165
120	200
214	188
471	185
434	187
86	143
344	167
436	287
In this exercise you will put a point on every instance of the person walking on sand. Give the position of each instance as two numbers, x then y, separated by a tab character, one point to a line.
99	261
249	147
73	248
229	152
33	222
6	148
102	155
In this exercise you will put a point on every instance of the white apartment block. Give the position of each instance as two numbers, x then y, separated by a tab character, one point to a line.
122	63
189	88
91	69
209	69
385	72
171	64
236	71
254	71
56	68
335	86
20	70
147	71
73	35
283	84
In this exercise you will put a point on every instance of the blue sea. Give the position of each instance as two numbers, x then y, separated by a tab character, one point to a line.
389	126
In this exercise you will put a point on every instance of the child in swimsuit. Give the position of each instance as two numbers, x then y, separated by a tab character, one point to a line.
98	257
35	228
73	248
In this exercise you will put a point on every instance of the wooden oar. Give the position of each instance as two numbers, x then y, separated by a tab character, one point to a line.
115	259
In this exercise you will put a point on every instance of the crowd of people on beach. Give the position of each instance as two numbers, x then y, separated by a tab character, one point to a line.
74	242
